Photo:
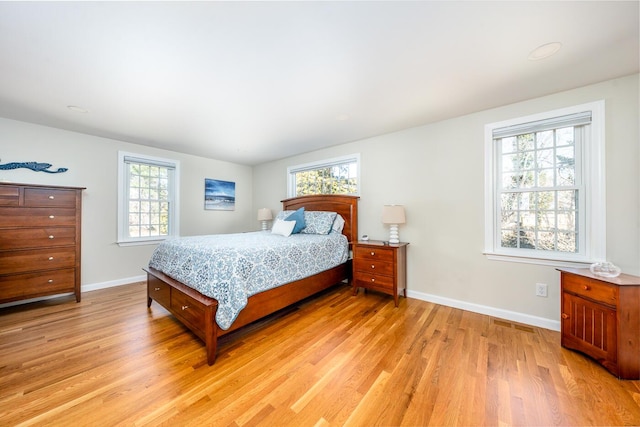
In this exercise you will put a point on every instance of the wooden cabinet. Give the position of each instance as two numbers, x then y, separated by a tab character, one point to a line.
40	229
380	267
601	318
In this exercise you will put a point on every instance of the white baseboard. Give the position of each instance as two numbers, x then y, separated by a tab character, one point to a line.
112	283
514	316
84	288
526	319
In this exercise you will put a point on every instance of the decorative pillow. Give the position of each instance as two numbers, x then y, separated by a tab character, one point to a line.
318	222
338	224
283	228
299	217
283	214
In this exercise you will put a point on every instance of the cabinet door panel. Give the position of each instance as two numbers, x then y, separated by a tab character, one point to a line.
590	328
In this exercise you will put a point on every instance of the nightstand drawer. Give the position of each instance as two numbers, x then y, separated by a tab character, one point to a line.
373	266
373	281
379	253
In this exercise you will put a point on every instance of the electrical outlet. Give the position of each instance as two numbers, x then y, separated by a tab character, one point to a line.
541	289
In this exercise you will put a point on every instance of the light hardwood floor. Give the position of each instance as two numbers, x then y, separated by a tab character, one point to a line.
333	360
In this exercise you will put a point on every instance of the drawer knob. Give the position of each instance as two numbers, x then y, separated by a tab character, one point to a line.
52	216
50	258
51	237
373	266
156	289
51	197
373	280
184	307
50	280
585	287
372	253
564	316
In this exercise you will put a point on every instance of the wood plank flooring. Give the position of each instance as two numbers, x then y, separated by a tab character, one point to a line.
333	360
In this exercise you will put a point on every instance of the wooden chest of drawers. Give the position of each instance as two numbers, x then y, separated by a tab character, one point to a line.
40	229
601	318
380	267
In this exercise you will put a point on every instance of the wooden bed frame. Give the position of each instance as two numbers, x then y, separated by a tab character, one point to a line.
197	311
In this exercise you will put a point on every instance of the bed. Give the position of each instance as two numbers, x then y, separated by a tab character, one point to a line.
197	311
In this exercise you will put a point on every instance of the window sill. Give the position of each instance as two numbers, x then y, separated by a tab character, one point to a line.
140	242
538	261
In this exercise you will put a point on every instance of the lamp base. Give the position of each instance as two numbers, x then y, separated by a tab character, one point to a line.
264	225
393	234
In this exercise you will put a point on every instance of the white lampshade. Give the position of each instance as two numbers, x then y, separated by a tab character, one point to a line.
264	215
393	215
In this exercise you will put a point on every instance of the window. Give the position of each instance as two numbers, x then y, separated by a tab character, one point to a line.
147	199
544	189
333	176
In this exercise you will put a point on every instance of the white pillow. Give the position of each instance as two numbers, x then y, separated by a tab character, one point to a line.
283	228
338	224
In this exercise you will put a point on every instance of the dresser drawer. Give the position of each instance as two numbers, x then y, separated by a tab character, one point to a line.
38	197
189	310
20	286
373	266
9	196
36	259
374	253
36	217
22	238
373	281
159	291
590	289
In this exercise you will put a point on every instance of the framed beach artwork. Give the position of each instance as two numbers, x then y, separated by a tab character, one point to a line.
219	195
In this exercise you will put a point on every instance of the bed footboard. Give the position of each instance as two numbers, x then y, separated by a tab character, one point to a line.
197	312
190	307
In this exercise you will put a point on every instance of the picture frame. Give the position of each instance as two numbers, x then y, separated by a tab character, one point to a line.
219	195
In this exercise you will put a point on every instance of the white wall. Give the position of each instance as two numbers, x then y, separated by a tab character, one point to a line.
437	172
93	163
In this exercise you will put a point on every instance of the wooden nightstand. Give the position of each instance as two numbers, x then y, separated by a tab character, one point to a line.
380	267
601	318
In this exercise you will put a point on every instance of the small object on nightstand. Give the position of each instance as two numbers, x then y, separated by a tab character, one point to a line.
380	266
364	238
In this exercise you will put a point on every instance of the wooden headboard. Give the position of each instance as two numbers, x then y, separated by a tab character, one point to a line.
347	206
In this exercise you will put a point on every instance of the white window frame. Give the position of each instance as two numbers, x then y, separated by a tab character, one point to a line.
592	244
123	198
321	164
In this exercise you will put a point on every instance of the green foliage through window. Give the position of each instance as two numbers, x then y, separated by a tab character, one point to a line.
339	177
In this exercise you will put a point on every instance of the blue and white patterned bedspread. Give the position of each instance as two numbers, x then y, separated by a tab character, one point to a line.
233	267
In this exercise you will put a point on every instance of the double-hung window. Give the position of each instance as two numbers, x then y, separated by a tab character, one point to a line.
544	187
147	199
332	176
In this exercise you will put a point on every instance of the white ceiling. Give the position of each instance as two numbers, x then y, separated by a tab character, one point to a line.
250	82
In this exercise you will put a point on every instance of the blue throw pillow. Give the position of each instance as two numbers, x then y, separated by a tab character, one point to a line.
298	217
